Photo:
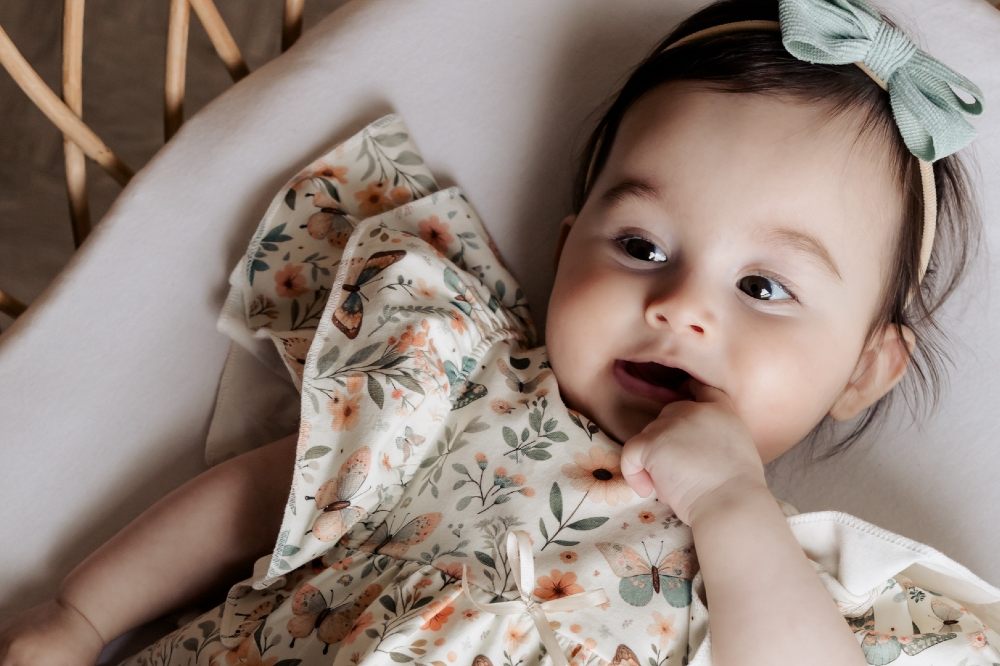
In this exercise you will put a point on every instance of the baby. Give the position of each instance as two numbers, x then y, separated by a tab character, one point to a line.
753	250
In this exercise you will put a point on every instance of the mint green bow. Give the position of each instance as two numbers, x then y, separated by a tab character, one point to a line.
927	110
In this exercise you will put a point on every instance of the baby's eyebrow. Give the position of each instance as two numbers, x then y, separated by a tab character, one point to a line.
801	241
632	188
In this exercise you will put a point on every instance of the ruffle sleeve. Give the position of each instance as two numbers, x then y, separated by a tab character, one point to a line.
380	294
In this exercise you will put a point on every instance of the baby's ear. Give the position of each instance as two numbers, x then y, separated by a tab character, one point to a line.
880	367
564	227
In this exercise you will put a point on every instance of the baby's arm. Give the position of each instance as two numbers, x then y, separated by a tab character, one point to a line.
205	532
766	603
764	596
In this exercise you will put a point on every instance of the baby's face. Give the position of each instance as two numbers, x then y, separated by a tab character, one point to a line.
712	211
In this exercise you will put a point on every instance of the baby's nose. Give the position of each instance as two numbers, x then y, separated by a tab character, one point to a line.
680	310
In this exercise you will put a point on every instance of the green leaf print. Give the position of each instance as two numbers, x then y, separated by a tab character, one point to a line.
486	560
362	354
330	188
276	235
555	502
316	452
588	523
392	140
375	391
327	360
425	182
510	437
290	198
556	506
409	158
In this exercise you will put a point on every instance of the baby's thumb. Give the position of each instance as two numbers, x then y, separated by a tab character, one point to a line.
634	472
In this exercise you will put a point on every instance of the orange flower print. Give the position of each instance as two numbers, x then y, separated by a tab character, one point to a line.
568	556
386	464
400	195
452	570
527	491
341	564
646	516
557	585
337	173
247	654
458	321
977	639
598	473
424	290
516	634
436	232
344	410
289	281
372	199
397	394
501	407
661	629
362	623
436	615
470	614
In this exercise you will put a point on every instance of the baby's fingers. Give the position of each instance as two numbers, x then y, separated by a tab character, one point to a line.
634	470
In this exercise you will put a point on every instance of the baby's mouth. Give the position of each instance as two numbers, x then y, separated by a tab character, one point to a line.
653	380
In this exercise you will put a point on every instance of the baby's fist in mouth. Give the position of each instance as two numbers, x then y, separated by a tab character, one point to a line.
692	452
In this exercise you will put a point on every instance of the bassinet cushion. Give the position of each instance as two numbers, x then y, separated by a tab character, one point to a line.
109	381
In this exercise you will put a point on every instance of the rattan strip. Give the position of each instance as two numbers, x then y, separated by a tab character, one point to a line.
291	27
57	111
10	306
72	89
173	91
221	38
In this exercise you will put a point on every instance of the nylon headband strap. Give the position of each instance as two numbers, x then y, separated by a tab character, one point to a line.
926	168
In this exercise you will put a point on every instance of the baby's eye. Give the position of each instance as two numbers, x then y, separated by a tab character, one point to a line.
764	288
641	249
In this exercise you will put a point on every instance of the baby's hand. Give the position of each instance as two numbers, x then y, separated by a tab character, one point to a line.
50	634
691	452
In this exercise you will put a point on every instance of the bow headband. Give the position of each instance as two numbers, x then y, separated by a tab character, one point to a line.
928	113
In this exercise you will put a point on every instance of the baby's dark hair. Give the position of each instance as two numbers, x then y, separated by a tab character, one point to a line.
757	62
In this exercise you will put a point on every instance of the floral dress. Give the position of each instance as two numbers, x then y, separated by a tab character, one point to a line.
446	507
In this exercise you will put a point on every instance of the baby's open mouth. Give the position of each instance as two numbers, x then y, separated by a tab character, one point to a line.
653	380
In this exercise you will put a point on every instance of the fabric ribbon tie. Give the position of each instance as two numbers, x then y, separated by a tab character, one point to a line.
921	90
522	565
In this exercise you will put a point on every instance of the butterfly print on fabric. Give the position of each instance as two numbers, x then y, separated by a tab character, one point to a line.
516	383
463	391
311	611
334	497
350	313
641	578
624	656
395	544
